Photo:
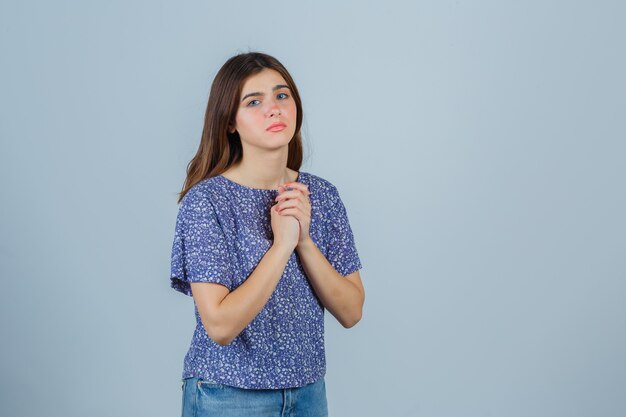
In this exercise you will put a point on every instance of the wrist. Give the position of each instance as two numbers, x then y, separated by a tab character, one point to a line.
282	247
306	243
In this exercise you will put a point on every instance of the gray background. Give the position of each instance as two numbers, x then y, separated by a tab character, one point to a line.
478	147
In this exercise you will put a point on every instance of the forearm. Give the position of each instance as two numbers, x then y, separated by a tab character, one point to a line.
340	296
244	303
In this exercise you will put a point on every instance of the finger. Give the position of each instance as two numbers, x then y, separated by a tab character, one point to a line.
299	186
300	200
295	212
284	191
288	204
286	195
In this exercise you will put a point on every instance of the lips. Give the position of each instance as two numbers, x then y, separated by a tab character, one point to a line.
276	127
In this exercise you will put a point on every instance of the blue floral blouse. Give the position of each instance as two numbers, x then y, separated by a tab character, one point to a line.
223	229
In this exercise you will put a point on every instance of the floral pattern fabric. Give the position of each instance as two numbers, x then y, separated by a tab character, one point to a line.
222	231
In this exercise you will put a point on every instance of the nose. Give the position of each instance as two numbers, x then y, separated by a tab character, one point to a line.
273	109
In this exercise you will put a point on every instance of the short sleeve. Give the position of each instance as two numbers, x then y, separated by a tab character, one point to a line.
200	251
341	250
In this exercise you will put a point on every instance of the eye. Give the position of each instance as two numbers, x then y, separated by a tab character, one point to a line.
251	101
284	94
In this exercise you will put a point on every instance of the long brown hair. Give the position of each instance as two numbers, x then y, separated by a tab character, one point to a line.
219	149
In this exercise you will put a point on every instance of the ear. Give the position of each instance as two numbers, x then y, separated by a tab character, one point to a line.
231	129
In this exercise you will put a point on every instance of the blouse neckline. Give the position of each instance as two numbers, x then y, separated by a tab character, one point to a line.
266	190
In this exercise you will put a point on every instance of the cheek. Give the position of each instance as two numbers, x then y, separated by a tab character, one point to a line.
248	120
292	109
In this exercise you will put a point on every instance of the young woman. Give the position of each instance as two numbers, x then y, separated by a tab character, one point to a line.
263	248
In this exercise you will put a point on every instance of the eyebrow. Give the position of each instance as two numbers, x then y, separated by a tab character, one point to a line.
258	93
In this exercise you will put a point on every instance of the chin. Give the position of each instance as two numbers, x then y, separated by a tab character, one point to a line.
283	137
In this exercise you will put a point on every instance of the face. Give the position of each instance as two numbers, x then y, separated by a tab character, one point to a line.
265	99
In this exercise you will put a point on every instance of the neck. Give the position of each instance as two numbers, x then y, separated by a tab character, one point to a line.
266	171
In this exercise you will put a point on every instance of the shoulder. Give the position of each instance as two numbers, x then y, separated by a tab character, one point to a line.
203	194
320	188
317	182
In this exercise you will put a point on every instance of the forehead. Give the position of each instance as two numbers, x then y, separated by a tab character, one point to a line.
264	80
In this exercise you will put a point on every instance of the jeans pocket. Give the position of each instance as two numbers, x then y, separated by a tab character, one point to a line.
204	383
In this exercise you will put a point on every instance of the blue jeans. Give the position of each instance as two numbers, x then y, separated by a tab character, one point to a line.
207	399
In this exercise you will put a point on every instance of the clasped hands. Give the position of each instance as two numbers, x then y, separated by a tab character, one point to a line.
296	203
